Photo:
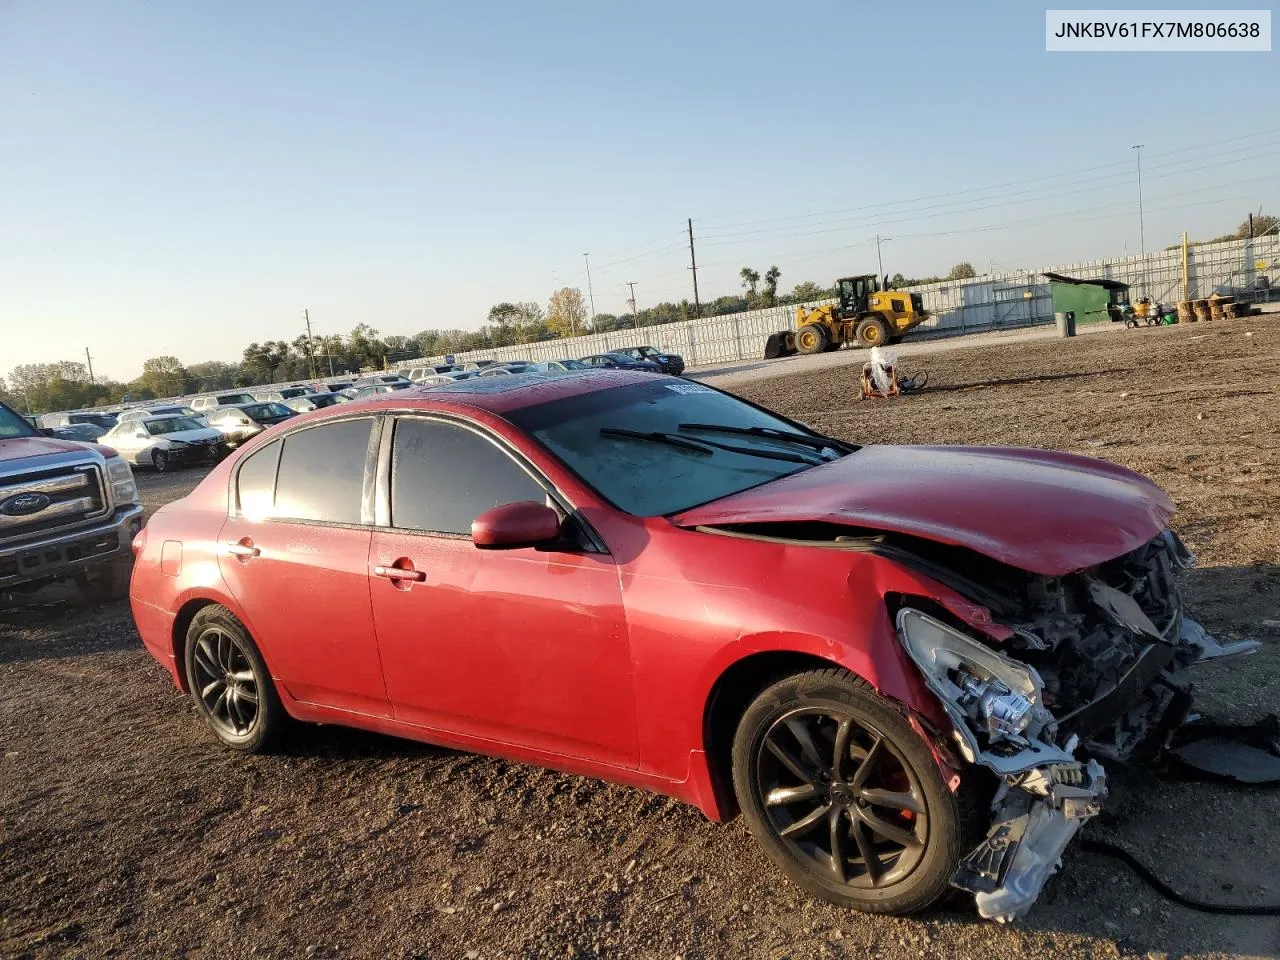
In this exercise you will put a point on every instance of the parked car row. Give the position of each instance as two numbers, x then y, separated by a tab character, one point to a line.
628	358
237	415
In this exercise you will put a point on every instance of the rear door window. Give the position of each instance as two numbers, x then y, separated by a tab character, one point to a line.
444	475
322	471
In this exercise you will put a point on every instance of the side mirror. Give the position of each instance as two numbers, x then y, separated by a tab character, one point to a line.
520	524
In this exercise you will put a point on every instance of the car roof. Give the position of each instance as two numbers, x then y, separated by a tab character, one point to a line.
499	395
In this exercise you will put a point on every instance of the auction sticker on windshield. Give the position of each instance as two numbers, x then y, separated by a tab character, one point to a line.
688	388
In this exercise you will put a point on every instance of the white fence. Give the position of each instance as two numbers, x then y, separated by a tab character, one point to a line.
956	307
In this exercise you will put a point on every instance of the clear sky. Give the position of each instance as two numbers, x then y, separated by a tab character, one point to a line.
184	177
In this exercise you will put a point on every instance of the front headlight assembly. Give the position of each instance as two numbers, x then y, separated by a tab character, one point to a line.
991	699
120	476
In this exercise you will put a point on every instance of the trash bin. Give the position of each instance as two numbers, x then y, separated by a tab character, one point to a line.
1066	323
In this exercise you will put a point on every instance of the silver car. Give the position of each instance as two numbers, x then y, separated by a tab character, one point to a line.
245	420
207	403
165	442
314	401
141	413
558	366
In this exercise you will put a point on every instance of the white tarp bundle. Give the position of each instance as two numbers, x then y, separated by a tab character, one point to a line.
882	365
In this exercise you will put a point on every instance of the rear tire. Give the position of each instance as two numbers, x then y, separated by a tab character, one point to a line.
230	684
844	796
872	332
811	338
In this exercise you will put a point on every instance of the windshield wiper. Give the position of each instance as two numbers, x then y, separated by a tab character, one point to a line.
656	437
817	443
707	446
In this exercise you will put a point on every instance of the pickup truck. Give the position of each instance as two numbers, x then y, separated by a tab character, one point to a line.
68	511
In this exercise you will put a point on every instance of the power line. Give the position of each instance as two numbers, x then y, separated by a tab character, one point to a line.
1179	151
1073	217
831	226
1064	189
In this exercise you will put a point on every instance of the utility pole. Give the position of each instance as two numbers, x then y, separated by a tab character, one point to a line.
1250	224
693	260
89	360
1142	230
632	301
879	261
311	346
590	293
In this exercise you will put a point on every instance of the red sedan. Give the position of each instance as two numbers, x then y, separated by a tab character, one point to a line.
903	665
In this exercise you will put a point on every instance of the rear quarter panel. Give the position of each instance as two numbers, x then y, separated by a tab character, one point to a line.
176	562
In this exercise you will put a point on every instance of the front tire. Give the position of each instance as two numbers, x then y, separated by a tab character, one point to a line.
811	338
230	684
844	796
872	332
160	460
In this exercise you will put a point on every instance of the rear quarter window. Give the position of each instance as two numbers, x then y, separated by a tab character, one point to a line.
256	482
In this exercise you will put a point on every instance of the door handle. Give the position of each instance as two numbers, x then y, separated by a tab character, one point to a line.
242	549
399	573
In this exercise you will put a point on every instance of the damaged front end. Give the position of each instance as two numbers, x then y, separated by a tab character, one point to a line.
1091	666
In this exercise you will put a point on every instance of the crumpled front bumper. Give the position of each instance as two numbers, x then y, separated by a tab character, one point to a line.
1024	846
1039	810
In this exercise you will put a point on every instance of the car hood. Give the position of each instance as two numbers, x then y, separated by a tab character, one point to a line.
1044	512
190	436
16	448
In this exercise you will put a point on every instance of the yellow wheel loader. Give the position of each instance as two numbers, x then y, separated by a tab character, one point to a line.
864	313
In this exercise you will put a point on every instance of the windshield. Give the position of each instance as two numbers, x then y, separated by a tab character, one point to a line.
12	425
324	399
267	411
641	447
82	431
646	351
104	420
172	425
229	398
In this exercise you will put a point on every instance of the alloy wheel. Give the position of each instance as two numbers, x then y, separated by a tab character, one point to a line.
224	679
842	798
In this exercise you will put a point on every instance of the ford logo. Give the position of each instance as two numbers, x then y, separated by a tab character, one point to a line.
23	504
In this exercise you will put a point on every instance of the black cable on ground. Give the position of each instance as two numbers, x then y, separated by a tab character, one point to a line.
1105	849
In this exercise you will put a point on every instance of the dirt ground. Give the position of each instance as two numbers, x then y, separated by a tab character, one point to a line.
126	832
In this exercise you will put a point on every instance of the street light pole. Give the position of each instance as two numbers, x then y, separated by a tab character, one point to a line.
586	257
1142	230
